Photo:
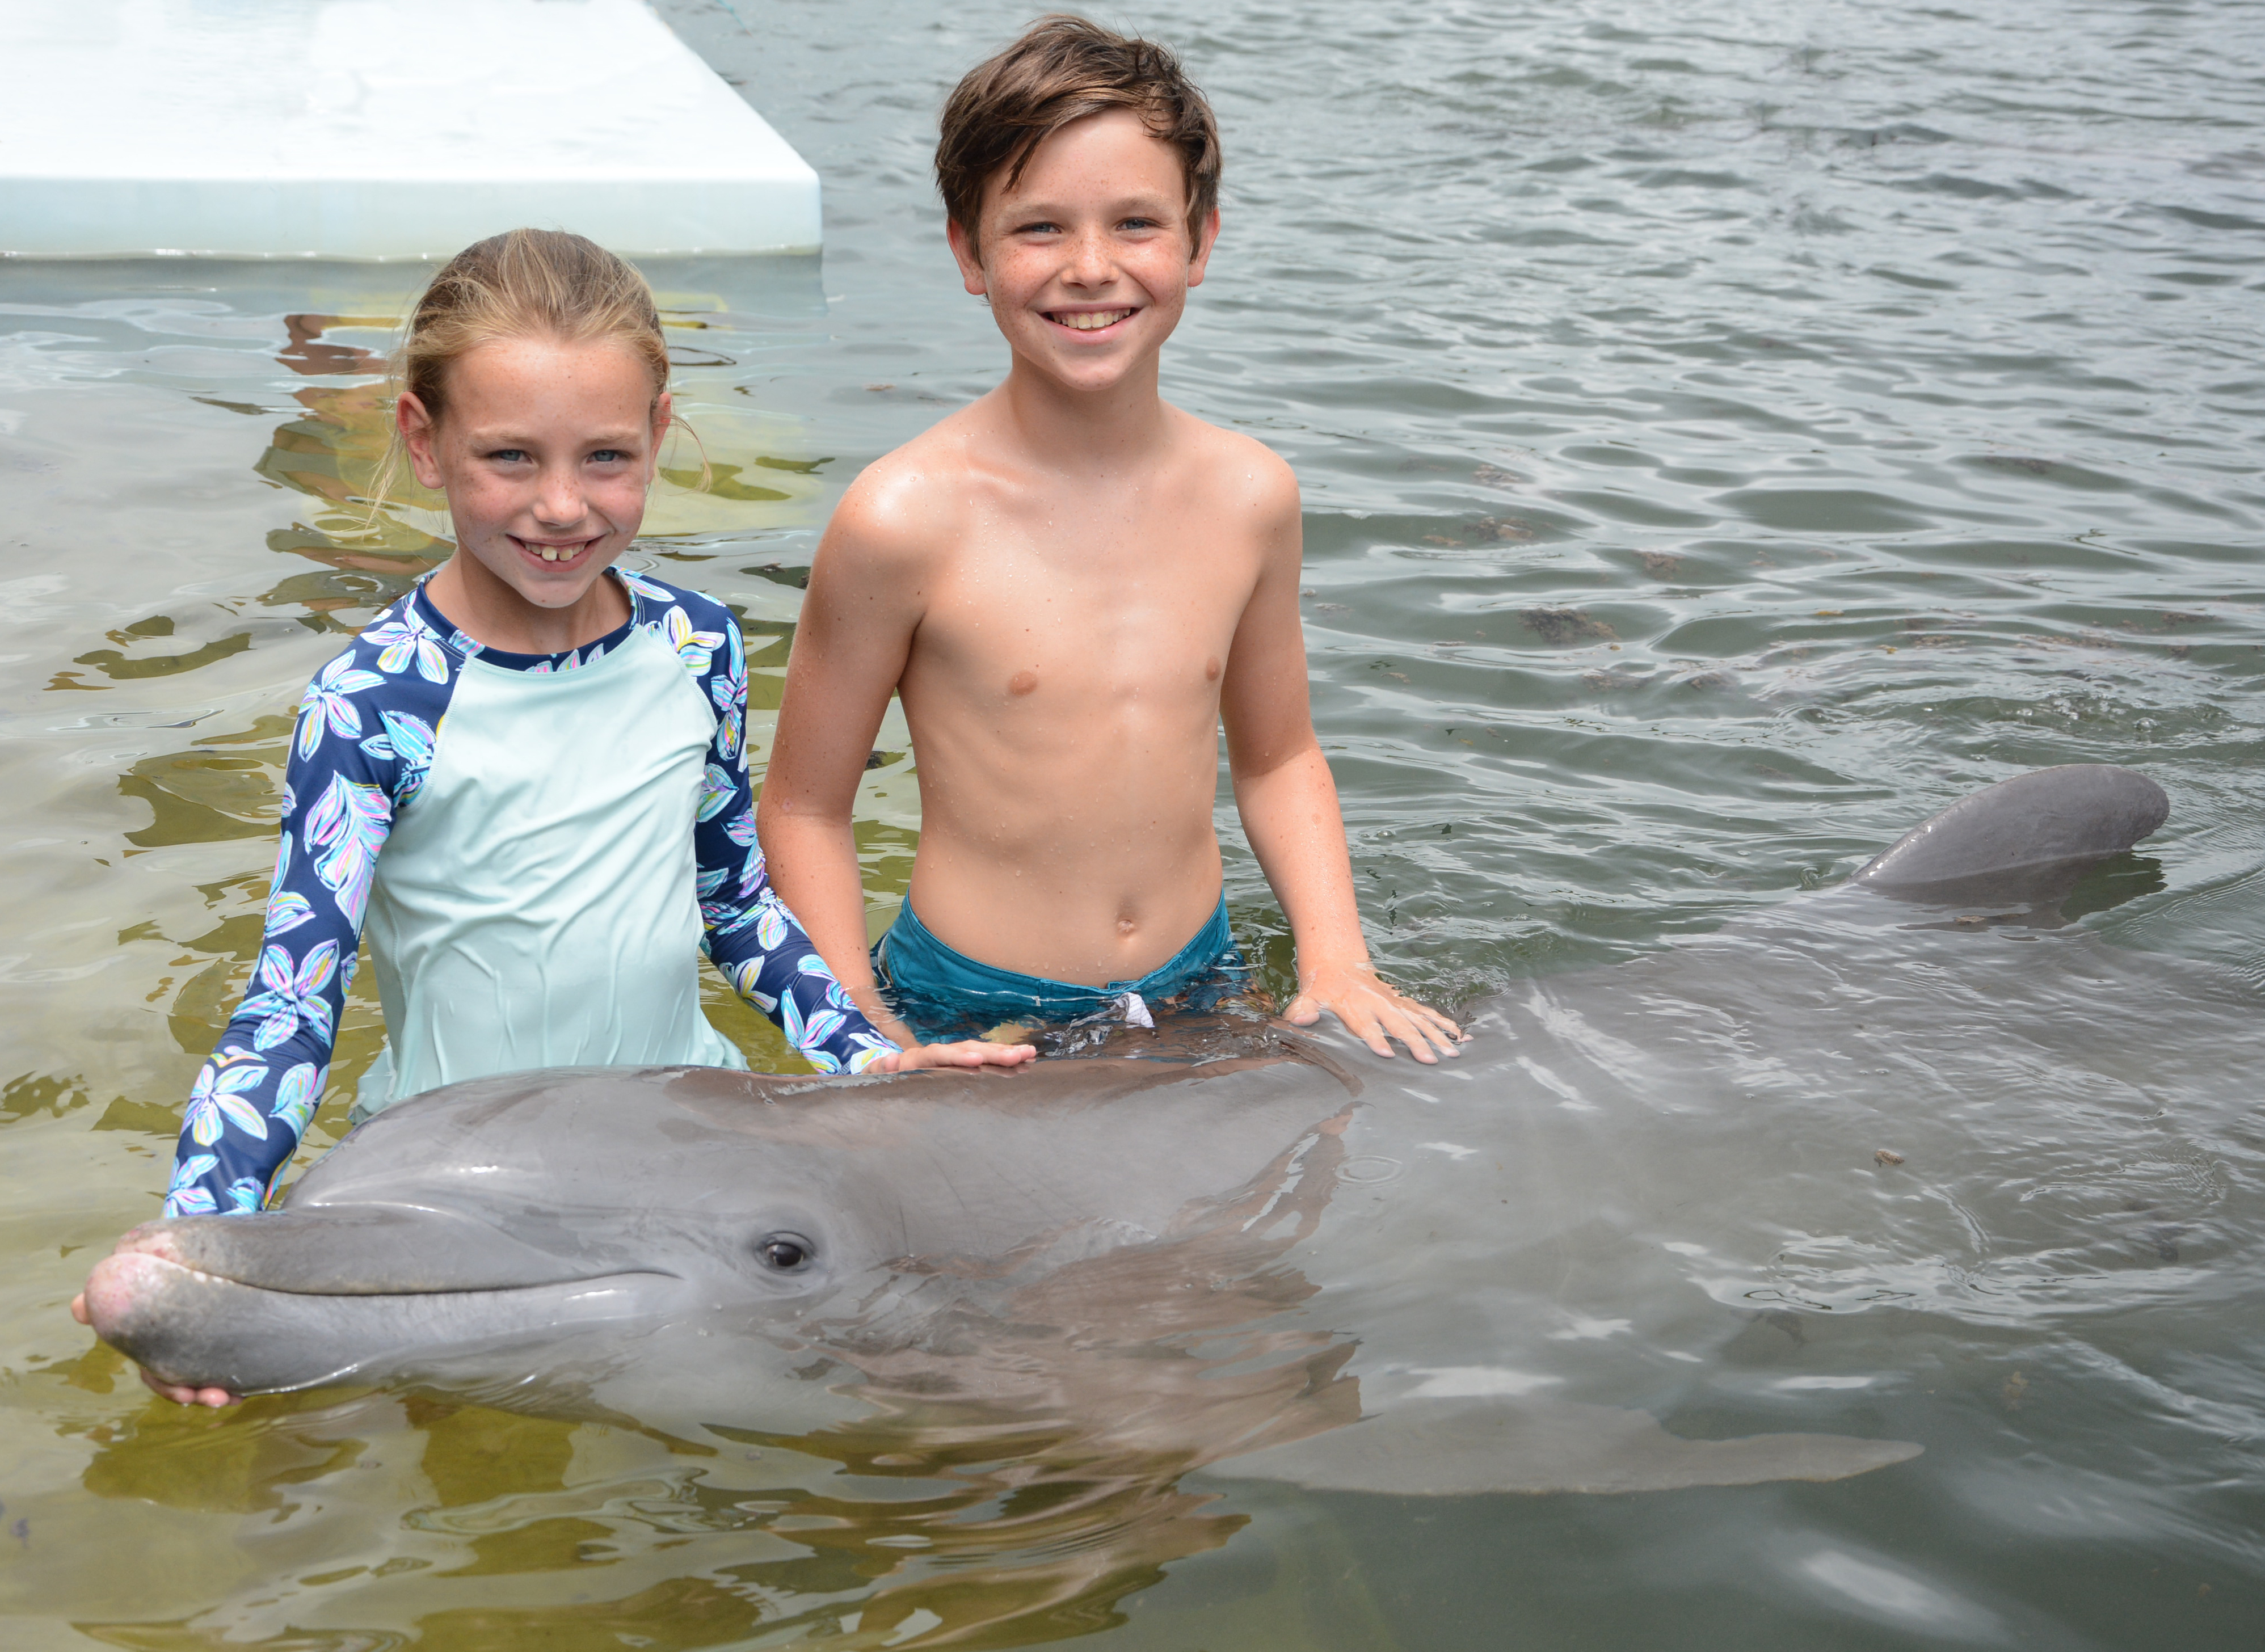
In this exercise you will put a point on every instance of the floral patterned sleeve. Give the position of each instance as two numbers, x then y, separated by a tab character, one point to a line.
753	938
359	750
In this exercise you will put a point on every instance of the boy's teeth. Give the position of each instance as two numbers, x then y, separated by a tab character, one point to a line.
1096	321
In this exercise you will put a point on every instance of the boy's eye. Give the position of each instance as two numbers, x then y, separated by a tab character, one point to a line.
1038	226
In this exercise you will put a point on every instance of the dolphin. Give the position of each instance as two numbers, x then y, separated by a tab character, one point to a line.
1269	1256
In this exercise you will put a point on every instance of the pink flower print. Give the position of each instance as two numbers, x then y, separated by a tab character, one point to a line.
292	995
694	649
325	702
403	638
345	830
218	1100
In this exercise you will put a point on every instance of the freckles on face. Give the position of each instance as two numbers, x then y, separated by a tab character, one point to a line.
1089	248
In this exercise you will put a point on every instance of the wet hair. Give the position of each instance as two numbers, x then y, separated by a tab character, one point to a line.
1063	69
522	284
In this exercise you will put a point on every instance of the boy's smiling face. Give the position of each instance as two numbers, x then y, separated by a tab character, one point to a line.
1087	258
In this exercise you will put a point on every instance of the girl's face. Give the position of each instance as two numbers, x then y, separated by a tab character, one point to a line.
545	452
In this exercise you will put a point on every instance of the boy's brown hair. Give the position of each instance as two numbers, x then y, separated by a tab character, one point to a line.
1063	69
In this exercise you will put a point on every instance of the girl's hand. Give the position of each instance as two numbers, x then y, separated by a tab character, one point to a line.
971	1052
179	1393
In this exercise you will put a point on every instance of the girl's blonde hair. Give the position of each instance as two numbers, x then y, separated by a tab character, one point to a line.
522	284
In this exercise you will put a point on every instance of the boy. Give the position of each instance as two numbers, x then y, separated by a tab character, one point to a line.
1071	585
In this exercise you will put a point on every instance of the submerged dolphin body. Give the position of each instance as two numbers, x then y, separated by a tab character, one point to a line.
1495	1274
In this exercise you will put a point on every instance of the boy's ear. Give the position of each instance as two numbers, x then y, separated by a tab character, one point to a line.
963	250
1205	243
417	432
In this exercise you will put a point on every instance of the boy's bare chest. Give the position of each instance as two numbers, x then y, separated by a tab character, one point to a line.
1035	620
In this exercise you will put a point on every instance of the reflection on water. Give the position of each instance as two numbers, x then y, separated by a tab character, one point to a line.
1726	436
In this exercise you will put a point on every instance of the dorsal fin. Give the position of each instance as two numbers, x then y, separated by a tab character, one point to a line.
2027	839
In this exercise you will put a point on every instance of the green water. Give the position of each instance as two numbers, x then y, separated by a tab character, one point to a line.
1728	432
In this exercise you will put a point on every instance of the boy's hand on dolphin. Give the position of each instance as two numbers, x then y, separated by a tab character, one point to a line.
970	1052
1374	1011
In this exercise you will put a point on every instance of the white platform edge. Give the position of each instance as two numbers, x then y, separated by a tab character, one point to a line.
335	129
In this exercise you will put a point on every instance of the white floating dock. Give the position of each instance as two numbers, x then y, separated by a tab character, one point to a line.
376	129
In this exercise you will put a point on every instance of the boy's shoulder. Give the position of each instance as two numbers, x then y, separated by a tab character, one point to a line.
1232	466
922	496
910	505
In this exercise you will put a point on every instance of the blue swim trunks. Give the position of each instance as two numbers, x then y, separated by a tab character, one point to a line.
943	993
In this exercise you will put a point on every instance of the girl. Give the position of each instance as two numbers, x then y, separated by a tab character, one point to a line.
528	777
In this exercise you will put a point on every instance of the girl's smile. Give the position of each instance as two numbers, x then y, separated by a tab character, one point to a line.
548	551
545	450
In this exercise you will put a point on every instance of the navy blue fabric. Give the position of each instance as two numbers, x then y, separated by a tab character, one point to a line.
361	750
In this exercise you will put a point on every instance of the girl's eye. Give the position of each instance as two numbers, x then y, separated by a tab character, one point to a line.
509	455
609	455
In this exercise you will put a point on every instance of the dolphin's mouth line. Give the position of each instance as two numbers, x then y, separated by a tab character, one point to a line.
399	1292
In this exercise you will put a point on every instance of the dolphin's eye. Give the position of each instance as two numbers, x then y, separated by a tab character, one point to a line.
783	1253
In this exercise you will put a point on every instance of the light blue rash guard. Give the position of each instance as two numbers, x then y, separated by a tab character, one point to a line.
563	835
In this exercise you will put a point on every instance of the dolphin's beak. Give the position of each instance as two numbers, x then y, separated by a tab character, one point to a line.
290	1300
372	1250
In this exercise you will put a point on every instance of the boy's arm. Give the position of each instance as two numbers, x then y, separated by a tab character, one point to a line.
750	936
864	599
754	939
1288	801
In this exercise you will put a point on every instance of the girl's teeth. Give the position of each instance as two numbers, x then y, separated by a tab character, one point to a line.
1094	322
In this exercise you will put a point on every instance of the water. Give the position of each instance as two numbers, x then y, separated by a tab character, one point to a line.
1728	432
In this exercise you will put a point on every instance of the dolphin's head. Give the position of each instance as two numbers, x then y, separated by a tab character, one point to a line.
528	1208
511	1212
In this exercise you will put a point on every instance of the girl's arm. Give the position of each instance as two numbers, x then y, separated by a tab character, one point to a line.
359	750
754	940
